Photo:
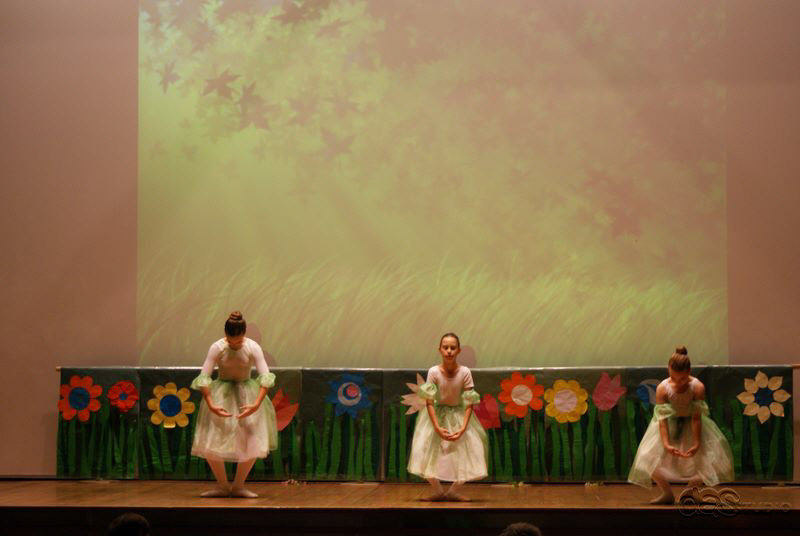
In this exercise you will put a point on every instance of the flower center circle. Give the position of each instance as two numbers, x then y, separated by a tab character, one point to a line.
79	398
764	396
565	400
170	405
521	395
123	396
349	394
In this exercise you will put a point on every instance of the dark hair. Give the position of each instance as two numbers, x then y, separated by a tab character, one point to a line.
680	360
458	342
235	325
521	529
129	524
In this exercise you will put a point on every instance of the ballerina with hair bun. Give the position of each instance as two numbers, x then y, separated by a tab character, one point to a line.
237	422
681	443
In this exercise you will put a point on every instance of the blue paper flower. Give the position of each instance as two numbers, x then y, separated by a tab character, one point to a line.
349	394
646	392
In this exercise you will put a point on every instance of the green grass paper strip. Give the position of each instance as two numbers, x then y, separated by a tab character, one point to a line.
336	447
589	450
402	449
369	469
577	450
322	463
555	466
391	467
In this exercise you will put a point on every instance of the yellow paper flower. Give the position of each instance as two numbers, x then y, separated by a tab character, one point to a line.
763	396
566	401
170	406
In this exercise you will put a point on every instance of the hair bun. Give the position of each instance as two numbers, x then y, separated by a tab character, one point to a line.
236	316
681	350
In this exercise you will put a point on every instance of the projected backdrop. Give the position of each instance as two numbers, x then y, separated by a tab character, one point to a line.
547	179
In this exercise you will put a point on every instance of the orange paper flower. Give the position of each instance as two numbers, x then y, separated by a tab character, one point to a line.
79	397
520	393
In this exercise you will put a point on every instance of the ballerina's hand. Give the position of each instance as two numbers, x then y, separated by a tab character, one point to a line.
247	410
444	434
691	452
216	410
672	450
456	436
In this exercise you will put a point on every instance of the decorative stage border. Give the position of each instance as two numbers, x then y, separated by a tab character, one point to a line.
545	424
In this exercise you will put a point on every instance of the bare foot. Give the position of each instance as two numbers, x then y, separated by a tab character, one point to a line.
243	493
216	492
664	498
436	497
453	496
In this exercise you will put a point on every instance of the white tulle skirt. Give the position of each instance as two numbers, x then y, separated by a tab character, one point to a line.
229	438
713	462
452	461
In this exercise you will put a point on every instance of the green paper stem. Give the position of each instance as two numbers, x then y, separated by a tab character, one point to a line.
351	448
369	469
577	450
542	440
789	444
83	467
495	445
259	469
555	467
133	443
277	460
522	447
296	465
60	455
359	469
336	447
155	458
536	468
391	468
145	471
563	431
508	469
402	449
772	458
92	439
738	436
309	444
322	463
109	451
166	455
625	446
180	462
609	467
633	442
589	449
755	446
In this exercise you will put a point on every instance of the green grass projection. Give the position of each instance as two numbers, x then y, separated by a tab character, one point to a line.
359	177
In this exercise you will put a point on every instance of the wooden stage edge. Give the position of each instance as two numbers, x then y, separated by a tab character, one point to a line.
174	507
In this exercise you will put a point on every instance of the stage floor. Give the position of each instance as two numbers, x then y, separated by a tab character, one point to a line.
173	507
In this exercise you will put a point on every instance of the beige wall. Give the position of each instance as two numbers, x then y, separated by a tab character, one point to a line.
68	207
68	196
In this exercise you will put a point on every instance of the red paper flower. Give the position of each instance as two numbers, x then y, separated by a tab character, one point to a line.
607	392
488	412
521	393
124	395
284	411
79	398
